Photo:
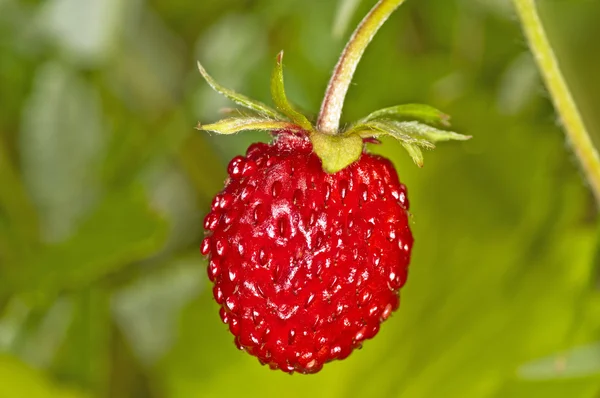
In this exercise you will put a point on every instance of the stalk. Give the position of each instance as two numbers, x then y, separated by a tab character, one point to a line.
328	121
559	91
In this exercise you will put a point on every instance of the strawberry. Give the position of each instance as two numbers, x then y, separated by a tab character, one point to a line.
309	241
306	264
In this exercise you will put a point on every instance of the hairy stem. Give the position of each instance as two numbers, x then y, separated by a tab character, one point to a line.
561	97
333	102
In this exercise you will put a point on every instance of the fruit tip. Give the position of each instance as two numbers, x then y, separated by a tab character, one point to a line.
280	57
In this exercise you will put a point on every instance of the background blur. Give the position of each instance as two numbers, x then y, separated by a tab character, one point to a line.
104	183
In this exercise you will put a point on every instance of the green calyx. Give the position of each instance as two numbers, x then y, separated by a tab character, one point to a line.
336	151
415	126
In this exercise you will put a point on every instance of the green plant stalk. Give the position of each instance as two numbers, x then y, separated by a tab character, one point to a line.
559	91
328	121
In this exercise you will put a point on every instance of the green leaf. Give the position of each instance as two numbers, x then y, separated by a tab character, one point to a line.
415	153
407	112
240	99
280	98
236	124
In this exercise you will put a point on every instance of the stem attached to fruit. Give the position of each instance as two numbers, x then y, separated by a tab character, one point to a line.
333	102
563	101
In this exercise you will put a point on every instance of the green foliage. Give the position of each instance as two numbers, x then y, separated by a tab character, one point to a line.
127	230
104	181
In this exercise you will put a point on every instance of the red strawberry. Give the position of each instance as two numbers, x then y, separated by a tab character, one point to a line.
309	243
306	264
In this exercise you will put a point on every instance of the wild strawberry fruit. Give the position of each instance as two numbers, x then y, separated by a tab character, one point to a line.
309	241
306	264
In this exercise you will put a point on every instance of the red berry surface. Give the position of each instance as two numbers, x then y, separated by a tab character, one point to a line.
306	265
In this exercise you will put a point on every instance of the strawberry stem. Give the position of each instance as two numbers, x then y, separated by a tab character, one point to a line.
328	121
559	91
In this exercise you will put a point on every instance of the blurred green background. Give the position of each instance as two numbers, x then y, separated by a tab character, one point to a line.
104	183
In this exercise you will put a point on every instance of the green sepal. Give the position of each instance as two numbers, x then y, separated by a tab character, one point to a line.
379	128
411	112
240	99
415	153
336	151
417	129
412	135
236	124
280	98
